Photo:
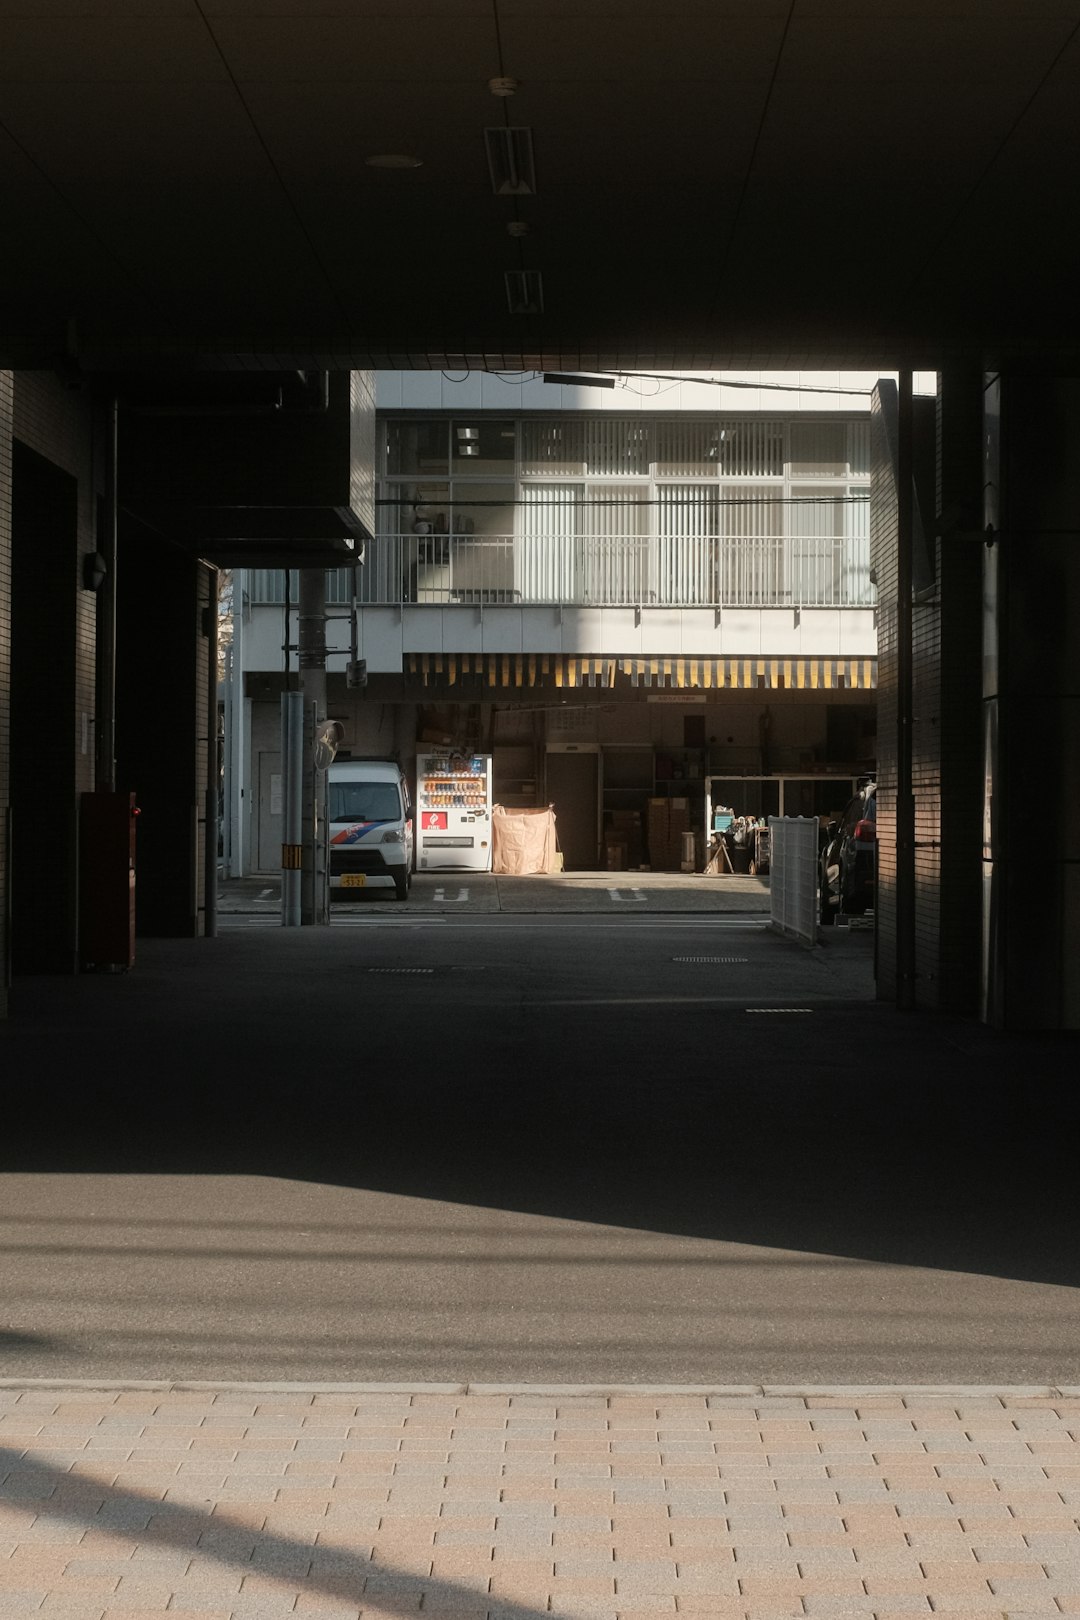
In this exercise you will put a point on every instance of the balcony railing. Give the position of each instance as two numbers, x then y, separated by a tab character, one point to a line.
618	570
613	570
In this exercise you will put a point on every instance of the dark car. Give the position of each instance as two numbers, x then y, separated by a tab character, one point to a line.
849	858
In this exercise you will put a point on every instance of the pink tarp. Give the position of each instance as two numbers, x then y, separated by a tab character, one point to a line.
523	841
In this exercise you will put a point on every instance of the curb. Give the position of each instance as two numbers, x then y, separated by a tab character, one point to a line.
718	1391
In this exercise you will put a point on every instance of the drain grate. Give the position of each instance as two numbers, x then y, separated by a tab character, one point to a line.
712	961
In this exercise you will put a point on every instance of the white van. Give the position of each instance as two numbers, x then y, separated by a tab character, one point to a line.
371	826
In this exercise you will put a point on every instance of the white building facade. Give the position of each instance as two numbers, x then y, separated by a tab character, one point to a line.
623	594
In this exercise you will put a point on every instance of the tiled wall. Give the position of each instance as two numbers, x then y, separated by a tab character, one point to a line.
946	729
6	406
883	531
59	423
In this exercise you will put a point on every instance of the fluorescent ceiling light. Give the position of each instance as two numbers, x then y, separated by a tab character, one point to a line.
573	380
524	292
510	161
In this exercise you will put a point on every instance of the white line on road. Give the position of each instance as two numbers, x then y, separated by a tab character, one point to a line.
627	894
443	898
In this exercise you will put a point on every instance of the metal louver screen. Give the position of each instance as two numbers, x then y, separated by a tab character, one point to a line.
685	449
685	552
752	450
552	447
751	549
545	559
614	446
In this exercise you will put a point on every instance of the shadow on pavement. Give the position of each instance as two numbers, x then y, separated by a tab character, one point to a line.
856	1132
215	1538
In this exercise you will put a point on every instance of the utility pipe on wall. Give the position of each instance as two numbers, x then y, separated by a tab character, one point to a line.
105	700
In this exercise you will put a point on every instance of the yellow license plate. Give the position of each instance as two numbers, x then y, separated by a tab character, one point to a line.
353	880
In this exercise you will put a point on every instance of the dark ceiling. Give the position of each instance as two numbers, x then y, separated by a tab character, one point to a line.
718	182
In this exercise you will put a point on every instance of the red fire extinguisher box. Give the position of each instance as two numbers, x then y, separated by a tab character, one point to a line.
107	882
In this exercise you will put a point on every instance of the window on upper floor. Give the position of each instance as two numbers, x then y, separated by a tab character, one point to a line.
483	445
417	447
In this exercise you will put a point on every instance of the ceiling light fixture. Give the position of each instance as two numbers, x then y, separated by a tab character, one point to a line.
503	86
524	292
574	381
510	161
393	160
517	227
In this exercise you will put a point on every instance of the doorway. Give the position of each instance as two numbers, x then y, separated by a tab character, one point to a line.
573	782
268	852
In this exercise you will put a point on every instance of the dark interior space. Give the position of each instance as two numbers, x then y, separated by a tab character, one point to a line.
156	710
43	717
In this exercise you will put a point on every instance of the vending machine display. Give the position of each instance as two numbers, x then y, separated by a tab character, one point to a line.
453	807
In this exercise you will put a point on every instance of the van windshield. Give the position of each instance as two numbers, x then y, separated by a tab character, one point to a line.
364	801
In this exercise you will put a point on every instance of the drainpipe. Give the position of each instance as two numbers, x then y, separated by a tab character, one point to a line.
210	827
905	797
105	730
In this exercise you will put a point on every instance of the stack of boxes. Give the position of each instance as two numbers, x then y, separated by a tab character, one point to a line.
623	848
668	820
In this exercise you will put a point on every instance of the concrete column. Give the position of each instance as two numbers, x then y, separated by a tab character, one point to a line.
1031	704
954	812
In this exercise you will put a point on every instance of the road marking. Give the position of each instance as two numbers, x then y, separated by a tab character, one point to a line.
657	1001
627	894
711	960
264	892
443	898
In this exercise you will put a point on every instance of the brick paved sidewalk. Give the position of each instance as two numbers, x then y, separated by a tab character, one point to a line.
215	1502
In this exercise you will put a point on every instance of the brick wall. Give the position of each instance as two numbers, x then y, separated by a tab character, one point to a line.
946	682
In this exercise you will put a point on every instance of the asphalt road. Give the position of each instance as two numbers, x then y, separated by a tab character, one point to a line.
603	1148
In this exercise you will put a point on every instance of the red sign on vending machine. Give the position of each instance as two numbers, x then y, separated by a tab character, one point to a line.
433	821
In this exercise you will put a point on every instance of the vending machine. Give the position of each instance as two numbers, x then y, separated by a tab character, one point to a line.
453	808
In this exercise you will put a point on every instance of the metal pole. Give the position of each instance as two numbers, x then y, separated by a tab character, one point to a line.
228	766
311	657
905	797
292	805
210	821
238	743
287	643
105	730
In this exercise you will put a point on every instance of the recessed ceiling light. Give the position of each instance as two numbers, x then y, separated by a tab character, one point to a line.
393	160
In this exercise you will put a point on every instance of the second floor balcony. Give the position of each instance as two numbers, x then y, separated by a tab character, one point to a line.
608	570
